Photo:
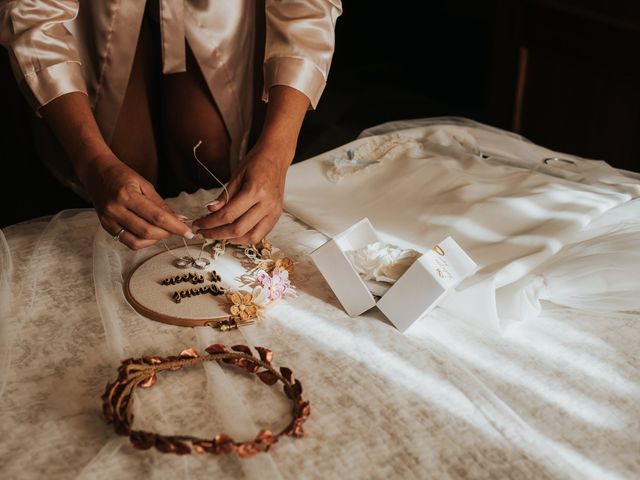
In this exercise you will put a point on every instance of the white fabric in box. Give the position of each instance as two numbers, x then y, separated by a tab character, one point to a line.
418	290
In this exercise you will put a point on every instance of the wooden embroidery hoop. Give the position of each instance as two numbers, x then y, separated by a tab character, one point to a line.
144	292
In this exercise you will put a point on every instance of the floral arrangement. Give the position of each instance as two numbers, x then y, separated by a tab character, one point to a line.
268	280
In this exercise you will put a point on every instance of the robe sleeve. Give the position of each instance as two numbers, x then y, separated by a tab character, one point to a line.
299	45
43	53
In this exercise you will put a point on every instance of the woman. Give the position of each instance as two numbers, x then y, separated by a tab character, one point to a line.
115	78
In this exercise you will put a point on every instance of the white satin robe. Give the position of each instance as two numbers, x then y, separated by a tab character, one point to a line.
62	46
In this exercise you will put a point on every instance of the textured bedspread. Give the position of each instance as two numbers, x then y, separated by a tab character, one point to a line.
558	397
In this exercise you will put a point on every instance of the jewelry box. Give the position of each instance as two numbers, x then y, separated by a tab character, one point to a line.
417	291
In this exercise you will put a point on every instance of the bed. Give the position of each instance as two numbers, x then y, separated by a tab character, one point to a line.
496	383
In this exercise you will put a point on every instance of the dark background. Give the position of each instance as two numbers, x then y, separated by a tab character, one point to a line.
564	73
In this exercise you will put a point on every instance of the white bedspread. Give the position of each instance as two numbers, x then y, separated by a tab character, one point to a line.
558	397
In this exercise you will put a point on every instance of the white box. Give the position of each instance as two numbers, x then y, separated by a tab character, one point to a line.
422	287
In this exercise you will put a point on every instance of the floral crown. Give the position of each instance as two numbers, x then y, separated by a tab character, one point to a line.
117	400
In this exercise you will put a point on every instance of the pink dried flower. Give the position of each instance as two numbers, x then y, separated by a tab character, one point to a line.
275	285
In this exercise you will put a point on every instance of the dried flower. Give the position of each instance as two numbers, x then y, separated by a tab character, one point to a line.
276	284
264	248
242	306
284	264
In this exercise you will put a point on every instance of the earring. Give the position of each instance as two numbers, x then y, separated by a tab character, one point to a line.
184	262
201	263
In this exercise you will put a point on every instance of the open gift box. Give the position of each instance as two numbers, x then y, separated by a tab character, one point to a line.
417	291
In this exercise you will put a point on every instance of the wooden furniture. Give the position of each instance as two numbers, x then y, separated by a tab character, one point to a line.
574	68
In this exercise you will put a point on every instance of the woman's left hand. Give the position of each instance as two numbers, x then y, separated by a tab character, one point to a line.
256	189
256	192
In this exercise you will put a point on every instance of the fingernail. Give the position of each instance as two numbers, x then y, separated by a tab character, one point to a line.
184	218
189	235
199	236
213	203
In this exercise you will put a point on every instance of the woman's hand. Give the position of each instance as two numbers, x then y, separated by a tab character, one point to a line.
125	199
122	197
256	189
256	193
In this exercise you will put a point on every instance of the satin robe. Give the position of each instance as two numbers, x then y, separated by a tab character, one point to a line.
62	46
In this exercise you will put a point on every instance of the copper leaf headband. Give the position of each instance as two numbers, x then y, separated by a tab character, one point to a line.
142	372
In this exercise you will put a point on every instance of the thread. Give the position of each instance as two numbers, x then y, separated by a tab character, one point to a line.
226	194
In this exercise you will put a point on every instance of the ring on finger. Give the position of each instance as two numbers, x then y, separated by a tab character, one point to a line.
116	237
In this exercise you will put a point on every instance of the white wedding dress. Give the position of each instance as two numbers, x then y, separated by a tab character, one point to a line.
526	215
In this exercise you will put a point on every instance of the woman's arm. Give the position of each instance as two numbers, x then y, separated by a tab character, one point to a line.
122	197
298	50
285	112
72	122
257	188
46	64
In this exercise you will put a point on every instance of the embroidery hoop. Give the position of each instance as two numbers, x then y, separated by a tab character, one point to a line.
146	294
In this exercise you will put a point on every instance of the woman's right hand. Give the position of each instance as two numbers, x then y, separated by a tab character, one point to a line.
125	199
121	196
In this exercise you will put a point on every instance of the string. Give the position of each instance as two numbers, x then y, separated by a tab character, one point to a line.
168	249
224	187
226	195
201	249
186	246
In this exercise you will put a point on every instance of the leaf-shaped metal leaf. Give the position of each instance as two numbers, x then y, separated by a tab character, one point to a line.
197	448
152	360
120	427
267	377
242	348
287	373
266	437
216	348
189	353
266	355
224	443
304	409
181	448
247	365
297	388
201	446
150	381
142	440
295	428
288	391
164	445
248	449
